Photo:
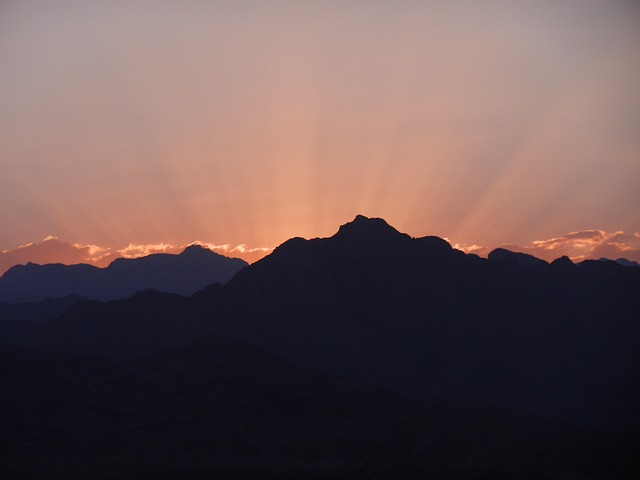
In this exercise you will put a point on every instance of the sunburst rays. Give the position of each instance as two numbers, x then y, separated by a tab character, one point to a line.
249	126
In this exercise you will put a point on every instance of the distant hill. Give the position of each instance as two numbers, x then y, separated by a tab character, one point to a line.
544	355
622	261
183	274
42	311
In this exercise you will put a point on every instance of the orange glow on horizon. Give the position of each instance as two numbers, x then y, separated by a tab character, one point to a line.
579	246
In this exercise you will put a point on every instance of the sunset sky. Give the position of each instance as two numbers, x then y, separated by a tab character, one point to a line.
125	124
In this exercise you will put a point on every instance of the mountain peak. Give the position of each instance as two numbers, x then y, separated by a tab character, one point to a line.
563	262
195	249
365	227
516	258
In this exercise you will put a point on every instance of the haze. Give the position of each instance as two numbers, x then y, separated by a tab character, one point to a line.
251	122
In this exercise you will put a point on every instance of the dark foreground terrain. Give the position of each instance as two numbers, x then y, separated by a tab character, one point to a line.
222	409
369	354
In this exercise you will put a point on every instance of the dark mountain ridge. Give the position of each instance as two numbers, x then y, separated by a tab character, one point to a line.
419	317
183	274
42	311
425	322
412	315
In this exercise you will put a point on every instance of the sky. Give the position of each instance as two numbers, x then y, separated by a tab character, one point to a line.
132	125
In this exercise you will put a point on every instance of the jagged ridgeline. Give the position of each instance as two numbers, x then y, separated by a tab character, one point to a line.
369	354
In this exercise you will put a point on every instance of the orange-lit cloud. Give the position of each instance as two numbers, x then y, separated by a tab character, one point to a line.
52	250
135	251
474	249
579	246
249	254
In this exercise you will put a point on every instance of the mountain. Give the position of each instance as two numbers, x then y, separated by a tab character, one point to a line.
183	274
622	261
422	319
507	338
520	259
42	311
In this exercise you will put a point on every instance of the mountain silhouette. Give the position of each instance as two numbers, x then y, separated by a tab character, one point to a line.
622	261
495	341
42	311
520	259
183	274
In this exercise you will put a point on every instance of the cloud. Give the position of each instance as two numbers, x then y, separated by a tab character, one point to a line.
579	246
141	250
249	254
475	249
619	245
52	250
